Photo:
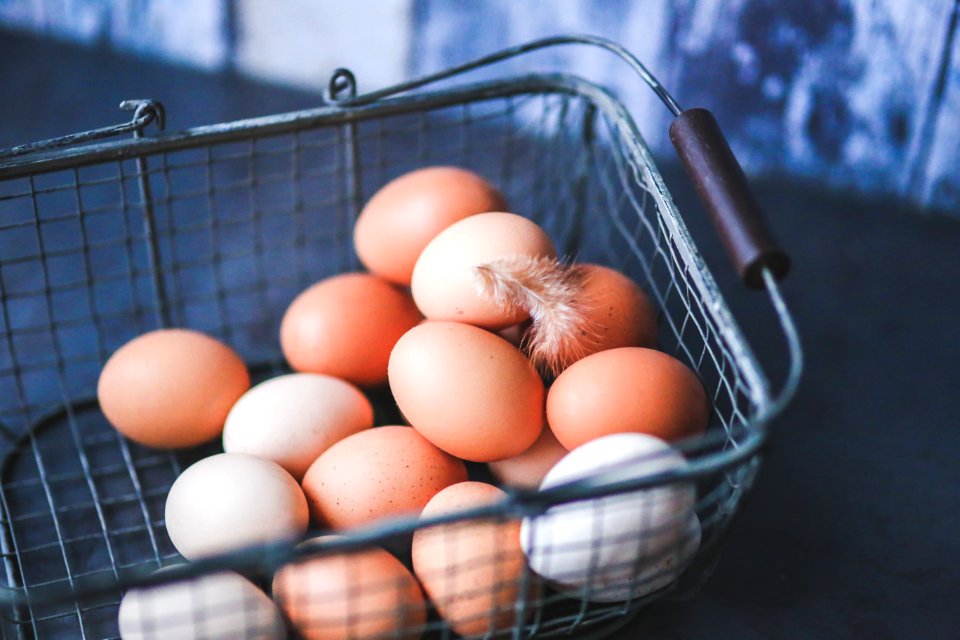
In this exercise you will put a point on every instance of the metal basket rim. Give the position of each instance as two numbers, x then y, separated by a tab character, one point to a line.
330	113
136	147
263	557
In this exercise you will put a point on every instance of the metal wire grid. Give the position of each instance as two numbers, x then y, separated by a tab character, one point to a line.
220	238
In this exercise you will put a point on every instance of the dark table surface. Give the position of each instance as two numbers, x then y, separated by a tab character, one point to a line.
852	529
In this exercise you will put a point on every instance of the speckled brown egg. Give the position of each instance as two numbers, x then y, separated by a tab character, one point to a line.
466	390
409	211
386	471
444	283
626	390
345	326
171	388
617	310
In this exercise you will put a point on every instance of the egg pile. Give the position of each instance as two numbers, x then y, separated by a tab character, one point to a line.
301	451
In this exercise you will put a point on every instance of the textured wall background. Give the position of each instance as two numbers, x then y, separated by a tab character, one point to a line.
846	93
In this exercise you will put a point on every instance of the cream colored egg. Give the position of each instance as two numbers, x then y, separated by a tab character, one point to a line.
292	419
218	606
620	546
232	500
444	283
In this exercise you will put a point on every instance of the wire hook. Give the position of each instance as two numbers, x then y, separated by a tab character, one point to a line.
145	111
342	86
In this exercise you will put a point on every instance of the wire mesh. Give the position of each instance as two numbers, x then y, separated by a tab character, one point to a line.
220	237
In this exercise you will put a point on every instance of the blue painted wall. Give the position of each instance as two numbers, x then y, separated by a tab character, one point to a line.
861	94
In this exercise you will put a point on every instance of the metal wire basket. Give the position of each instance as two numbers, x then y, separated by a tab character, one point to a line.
218	228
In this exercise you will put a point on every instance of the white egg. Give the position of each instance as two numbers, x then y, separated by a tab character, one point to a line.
620	546
233	500
219	606
292	419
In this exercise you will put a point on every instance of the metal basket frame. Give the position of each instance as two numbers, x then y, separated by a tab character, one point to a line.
731	451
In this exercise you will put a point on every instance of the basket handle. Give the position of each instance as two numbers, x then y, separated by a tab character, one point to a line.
723	188
702	147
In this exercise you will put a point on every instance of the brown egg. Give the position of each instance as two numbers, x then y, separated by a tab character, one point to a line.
364	594
386	471
466	390
630	389
444	282
345	326
409	211
473	570
171	388
618	311
528	469
514	333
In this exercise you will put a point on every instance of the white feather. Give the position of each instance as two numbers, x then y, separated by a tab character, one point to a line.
550	291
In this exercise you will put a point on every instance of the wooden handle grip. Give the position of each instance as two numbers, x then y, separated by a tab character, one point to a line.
724	190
